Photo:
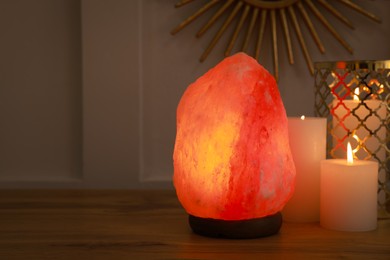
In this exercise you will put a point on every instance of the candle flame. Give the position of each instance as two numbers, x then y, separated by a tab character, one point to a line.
356	96
349	154
302	117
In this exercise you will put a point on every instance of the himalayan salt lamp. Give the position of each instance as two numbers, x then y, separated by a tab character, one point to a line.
233	168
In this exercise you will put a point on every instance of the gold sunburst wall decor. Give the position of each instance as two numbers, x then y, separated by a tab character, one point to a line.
253	16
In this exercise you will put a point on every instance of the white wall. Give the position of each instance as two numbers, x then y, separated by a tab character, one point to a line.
123	74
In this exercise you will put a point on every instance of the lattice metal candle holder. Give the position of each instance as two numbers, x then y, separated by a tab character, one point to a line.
355	98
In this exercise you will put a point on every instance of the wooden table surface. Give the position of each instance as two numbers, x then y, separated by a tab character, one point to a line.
82	224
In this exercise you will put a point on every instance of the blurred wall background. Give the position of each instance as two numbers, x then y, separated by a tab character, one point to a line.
89	88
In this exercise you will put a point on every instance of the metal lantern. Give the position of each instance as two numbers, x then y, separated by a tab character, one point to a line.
354	96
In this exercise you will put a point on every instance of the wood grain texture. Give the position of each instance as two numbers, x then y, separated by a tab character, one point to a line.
66	224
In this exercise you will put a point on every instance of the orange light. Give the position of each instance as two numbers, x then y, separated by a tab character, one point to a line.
232	159
349	154
302	117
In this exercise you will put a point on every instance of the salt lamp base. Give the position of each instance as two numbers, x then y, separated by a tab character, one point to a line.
250	228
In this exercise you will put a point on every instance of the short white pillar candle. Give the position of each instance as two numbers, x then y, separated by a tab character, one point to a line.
349	194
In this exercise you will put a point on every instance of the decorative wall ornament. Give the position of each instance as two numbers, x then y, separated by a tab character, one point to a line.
252	15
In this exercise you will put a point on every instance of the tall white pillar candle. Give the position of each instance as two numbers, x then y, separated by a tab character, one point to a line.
349	195
308	148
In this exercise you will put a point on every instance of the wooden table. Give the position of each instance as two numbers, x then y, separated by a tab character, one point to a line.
82	224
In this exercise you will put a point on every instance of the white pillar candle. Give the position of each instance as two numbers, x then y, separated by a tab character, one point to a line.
308	148
349	195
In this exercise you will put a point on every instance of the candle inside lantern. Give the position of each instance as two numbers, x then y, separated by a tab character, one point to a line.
361	123
308	146
348	115
349	194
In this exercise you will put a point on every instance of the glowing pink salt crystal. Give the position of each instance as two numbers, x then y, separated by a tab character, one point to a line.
232	158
